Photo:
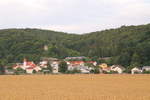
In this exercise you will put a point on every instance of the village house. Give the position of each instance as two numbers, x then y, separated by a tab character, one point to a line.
43	64
80	65
146	68
74	65
104	67
28	66
117	68
136	70
55	67
54	62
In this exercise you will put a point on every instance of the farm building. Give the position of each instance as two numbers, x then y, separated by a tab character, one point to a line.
136	70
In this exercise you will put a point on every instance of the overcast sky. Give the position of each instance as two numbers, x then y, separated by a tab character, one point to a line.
73	16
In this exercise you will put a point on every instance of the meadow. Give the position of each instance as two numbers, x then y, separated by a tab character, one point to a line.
75	87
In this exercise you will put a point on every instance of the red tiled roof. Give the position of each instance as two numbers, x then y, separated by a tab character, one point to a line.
80	62
76	62
31	64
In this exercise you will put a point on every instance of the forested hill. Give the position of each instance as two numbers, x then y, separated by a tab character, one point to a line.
127	45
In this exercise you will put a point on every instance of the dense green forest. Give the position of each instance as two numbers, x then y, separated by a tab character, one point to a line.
127	45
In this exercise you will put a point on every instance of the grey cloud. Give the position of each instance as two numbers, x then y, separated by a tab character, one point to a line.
73	15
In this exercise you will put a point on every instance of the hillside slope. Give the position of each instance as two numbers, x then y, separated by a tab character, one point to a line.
15	44
127	45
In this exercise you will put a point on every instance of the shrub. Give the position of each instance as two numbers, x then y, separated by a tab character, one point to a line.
146	72
74	71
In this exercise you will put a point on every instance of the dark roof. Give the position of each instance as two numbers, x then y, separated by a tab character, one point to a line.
80	57
105	58
49	59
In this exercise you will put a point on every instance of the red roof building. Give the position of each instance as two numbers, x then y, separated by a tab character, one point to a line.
76	62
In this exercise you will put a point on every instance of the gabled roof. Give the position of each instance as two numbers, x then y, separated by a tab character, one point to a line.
31	64
137	68
76	62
